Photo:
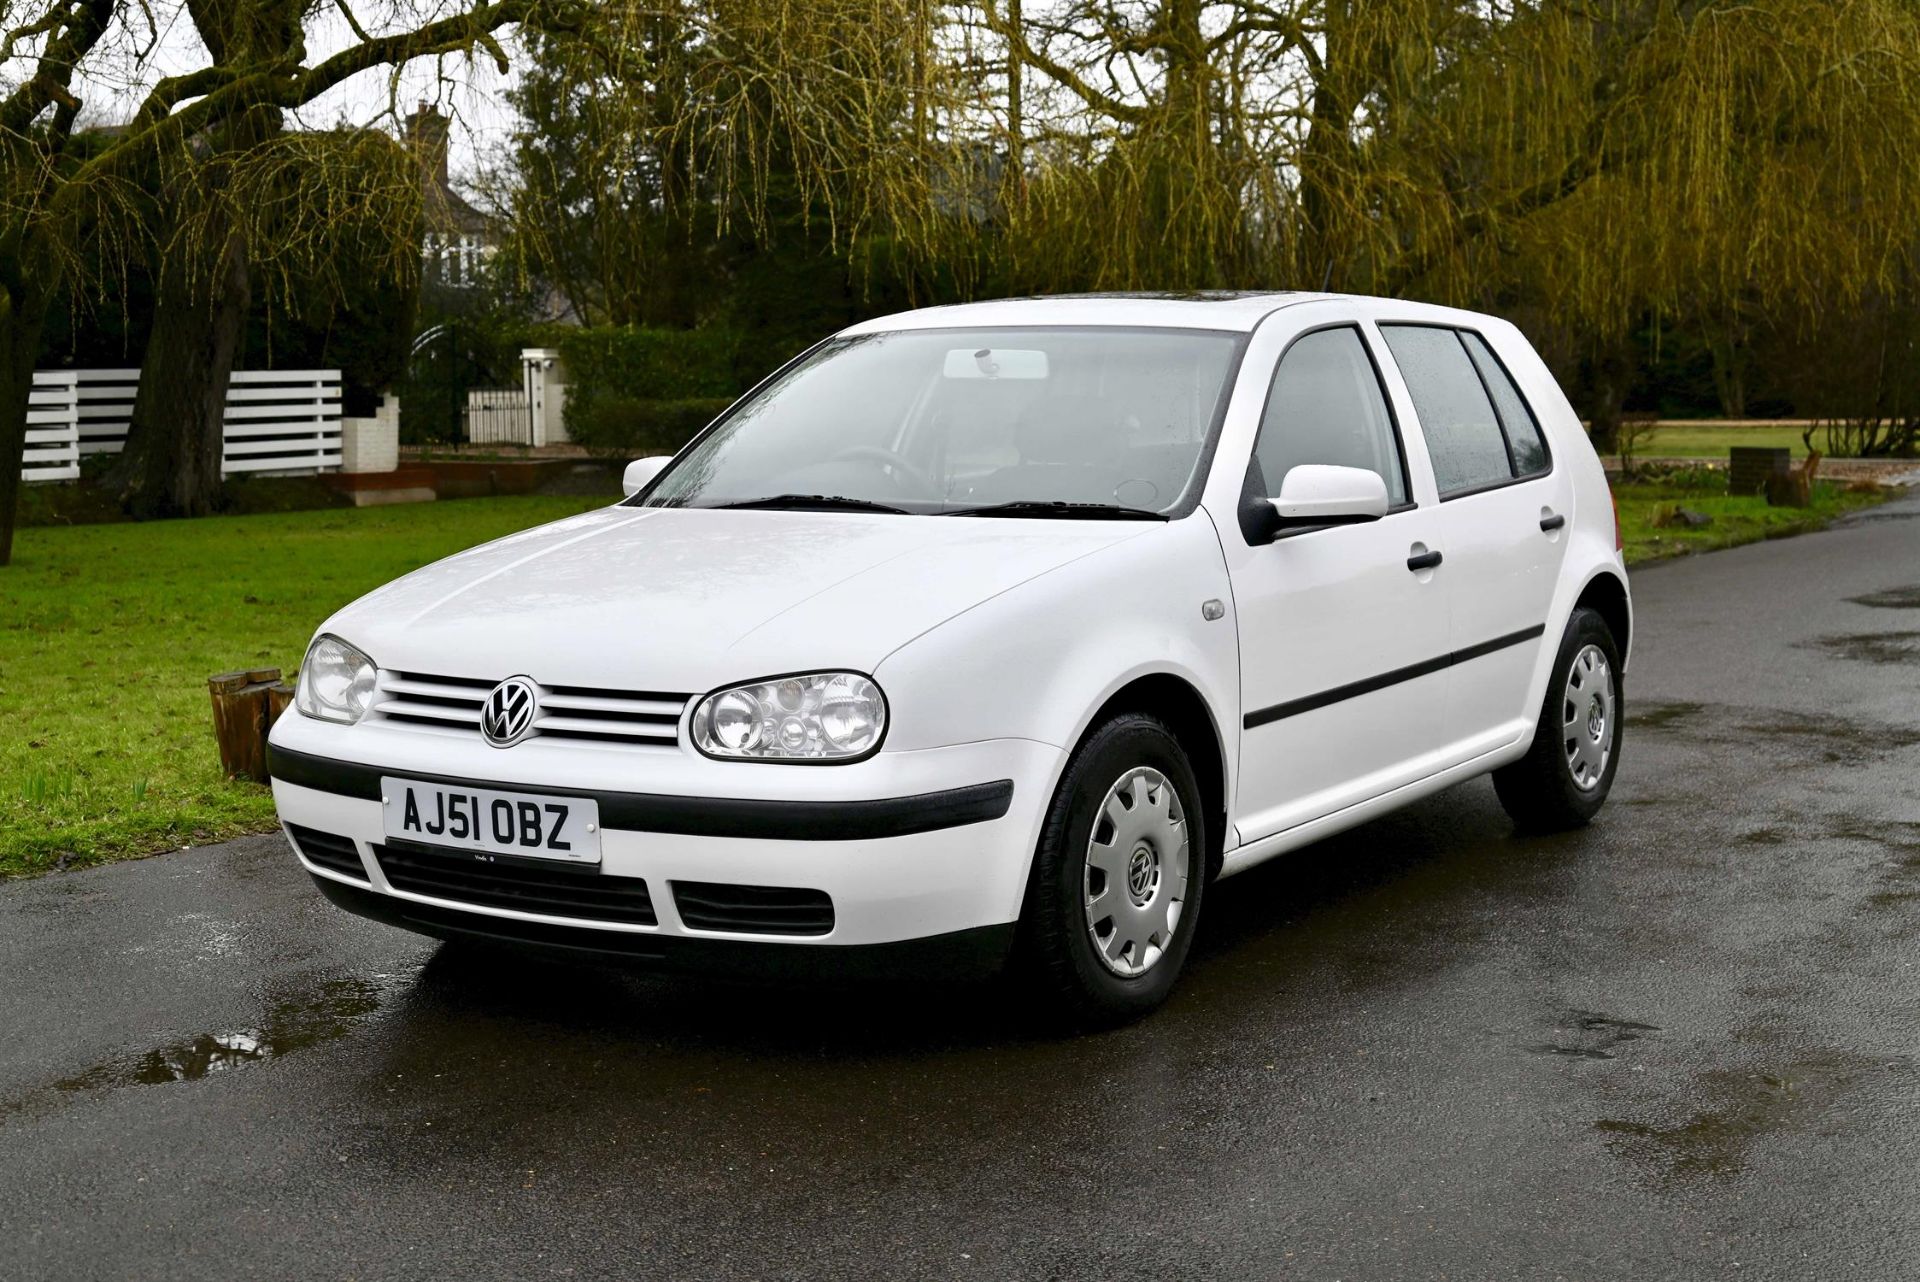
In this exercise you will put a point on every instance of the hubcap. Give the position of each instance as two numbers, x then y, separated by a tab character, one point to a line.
1136	873
1589	718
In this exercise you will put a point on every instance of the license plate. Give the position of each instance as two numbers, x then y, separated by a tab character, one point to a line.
523	824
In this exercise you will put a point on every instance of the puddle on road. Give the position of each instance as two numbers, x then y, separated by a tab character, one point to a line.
1870	647
1899	840
291	1024
1585	1034
1835	740
1660	716
1906	598
1718	1142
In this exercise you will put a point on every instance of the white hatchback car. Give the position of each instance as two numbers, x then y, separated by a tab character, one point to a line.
985	633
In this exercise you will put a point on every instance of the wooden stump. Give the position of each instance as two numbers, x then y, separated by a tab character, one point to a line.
242	702
279	697
1794	488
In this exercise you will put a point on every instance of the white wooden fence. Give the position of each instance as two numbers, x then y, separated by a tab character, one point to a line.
285	421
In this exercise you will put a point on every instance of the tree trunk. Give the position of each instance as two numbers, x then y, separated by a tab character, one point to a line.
21	321
176	434
1016	84
1730	371
1611	381
1327	158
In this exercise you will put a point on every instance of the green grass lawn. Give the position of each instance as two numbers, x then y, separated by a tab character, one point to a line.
1735	520
109	632
1711	440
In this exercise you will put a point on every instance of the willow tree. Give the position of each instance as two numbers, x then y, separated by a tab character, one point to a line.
1714	164
1205	143
196	181
686	122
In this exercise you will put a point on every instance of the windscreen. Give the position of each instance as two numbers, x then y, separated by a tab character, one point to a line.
942	421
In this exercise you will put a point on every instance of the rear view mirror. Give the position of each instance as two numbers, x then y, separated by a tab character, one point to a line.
1320	494
641	471
995	363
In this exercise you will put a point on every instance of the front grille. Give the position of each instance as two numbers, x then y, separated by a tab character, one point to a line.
565	712
329	851
754	910
551	889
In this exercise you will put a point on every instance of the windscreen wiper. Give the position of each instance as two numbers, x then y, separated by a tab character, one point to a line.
811	503
1060	511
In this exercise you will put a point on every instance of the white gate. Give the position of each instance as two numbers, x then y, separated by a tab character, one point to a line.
530	414
281	421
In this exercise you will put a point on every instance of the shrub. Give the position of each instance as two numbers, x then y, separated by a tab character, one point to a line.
630	427
632	388
651	364
1872	436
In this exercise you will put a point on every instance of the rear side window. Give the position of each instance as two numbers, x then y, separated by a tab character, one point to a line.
1326	406
1462	431
1528	447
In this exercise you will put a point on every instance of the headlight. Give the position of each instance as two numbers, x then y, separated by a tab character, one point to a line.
336	682
819	716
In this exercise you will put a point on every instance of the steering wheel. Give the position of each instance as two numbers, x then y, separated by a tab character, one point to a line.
889	458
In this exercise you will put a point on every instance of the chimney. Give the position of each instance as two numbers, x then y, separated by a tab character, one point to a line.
427	131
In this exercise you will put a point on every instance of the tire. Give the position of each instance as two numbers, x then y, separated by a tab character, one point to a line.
1152	880
1554	787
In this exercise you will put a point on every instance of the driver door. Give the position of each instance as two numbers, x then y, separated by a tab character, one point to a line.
1343	636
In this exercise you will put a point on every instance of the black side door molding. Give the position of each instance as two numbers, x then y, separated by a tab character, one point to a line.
1367	685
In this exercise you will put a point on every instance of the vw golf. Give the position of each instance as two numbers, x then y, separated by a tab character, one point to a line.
984	635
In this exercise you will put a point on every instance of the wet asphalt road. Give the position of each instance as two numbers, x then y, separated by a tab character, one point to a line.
1678	1044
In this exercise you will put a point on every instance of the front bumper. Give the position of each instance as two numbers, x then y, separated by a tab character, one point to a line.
978	952
912	846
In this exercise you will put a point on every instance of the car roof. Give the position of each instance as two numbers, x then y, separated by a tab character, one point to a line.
1208	309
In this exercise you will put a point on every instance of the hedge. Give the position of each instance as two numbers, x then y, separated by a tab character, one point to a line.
652	364
637	390
629	427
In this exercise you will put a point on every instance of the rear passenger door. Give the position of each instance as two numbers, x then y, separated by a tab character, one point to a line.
1504	509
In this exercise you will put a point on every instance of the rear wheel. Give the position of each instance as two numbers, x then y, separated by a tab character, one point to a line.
1118	876
1566	775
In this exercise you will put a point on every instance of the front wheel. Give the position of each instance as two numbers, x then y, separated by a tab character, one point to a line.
1566	775
1117	878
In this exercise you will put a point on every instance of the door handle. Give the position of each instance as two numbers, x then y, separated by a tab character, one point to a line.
1551	522
1424	561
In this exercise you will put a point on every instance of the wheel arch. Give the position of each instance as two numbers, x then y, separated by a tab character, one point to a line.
1179	703
1606	595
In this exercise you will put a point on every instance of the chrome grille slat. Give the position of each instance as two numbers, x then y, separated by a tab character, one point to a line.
668	730
430	711
615	718
636	707
435	688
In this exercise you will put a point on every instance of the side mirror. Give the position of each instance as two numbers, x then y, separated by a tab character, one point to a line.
1320	494
641	471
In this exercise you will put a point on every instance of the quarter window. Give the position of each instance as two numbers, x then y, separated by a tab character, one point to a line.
1528	447
1326	406
1462	431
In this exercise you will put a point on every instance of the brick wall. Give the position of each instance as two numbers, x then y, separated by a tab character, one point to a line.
372	444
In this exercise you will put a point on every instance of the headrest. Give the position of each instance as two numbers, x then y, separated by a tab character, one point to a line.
1062	428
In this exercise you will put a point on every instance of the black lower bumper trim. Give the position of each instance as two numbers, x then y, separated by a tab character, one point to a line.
960	954
694	816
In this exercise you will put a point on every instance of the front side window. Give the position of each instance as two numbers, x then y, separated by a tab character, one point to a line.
1326	406
947	421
